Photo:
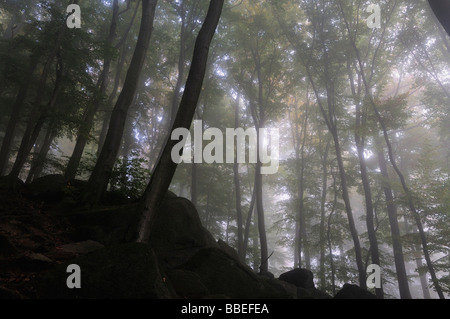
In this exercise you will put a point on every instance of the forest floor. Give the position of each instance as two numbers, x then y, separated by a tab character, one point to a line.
31	241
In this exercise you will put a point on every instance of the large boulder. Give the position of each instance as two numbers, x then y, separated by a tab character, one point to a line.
106	225
49	188
124	271
178	232
350	291
225	276
303	279
299	277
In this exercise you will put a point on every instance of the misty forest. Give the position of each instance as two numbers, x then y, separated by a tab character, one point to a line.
312	160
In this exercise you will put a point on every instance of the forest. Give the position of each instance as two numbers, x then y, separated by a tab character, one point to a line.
299	135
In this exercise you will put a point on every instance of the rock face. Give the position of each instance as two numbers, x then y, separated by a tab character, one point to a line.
124	271
299	277
303	280
178	232
181	259
350	291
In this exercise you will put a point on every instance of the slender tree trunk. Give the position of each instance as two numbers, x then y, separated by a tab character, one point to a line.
259	121
98	182
181	64
368	199
38	118
120	64
237	188
399	260
165	168
38	164
300	220
323	198
248	224
330	121
15	116
359	141
409	198
88	117
330	247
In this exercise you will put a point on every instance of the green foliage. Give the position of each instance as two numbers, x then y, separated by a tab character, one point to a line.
130	176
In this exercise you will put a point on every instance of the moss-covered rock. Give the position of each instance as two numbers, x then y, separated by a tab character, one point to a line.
120	271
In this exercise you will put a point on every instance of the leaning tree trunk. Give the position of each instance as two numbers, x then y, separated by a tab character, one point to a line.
166	167
98	182
15	115
88	117
39	162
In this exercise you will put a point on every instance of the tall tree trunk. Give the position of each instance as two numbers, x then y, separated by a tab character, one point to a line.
258	115
38	164
330	248
237	188
408	194
15	116
330	121
399	260
98	181
38	116
248	224
181	64
165	168
88	116
120	64
300	220
323	198
359	141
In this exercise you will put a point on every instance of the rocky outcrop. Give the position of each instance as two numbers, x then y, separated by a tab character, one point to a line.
350	291
126	271
303	280
181	260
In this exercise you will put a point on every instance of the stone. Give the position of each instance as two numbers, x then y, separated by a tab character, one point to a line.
126	271
299	277
223	275
6	247
187	284
49	188
33	262
178	232
82	247
228	249
351	291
